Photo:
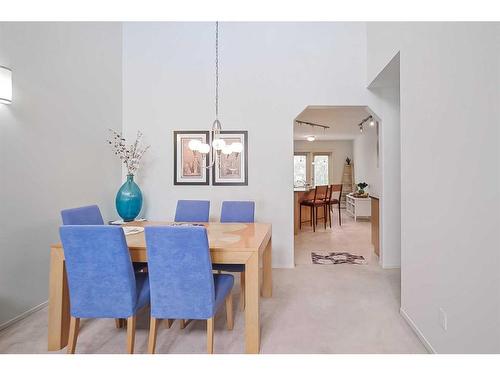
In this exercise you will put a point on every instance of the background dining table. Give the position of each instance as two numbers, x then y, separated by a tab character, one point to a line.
230	243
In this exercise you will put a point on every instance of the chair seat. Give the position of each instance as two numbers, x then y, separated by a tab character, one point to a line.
333	201
142	288
228	267
223	284
310	202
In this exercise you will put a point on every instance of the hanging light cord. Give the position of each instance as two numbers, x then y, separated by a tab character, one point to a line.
217	70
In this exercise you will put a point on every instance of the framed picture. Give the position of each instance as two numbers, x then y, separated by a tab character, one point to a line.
232	169
189	166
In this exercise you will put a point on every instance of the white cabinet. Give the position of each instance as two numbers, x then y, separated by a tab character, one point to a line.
358	207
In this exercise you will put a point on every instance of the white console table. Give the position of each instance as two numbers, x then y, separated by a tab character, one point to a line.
358	207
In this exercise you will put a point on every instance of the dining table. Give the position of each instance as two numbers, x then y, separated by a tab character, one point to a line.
230	243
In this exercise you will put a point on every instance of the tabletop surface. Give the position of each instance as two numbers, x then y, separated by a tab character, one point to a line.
224	236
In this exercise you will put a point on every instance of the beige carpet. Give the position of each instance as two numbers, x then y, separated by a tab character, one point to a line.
315	309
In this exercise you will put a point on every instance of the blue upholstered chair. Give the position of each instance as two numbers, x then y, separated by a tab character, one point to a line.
87	215
91	215
192	211
101	279
236	212
182	283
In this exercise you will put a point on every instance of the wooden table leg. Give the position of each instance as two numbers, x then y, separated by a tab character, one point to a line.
267	274
58	302
252	324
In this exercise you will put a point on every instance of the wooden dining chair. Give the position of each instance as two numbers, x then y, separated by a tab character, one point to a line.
236	212
182	283
101	279
335	200
318	201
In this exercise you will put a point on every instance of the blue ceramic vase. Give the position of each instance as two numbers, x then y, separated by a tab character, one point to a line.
129	200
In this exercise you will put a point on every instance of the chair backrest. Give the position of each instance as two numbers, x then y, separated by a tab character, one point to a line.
320	193
180	272
329	191
87	215
101	278
237	212
192	211
336	188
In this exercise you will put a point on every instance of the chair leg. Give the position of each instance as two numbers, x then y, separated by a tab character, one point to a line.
324	213
340	218
184	322
229	311
120	323
210	335
153	330
168	323
300	216
313	218
242	291
131	334
74	325
330	215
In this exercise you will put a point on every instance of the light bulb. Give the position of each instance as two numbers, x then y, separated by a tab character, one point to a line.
204	148
226	150
218	144
311	138
237	147
372	123
194	144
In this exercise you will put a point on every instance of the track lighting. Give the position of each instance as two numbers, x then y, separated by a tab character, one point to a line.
362	123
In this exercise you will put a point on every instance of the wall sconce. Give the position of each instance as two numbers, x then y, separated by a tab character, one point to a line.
5	85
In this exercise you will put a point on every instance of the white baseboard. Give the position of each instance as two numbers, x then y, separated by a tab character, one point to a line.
23	315
391	266
415	329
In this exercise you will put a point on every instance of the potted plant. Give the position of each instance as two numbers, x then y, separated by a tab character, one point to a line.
348	161
129	198
361	188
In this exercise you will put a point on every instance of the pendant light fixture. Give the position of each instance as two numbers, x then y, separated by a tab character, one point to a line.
218	145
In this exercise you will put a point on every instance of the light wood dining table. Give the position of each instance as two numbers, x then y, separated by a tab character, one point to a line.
230	243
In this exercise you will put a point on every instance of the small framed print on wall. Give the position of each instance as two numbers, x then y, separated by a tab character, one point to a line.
232	169
190	167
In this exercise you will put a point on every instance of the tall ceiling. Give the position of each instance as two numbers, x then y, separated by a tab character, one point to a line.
342	120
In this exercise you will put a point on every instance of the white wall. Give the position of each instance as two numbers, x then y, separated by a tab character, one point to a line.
385	100
450	177
366	168
53	155
269	73
340	150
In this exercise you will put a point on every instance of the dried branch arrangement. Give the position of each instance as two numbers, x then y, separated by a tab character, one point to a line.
130	155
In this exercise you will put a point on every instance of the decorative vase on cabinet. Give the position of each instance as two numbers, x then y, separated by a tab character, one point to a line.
129	199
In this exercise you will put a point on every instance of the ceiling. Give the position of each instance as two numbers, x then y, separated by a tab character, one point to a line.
343	122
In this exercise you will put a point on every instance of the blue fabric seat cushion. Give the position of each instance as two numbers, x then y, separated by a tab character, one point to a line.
229	267
223	283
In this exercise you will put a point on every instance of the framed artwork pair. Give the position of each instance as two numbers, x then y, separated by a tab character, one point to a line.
193	168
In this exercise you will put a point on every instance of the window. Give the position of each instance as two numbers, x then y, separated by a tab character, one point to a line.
321	170
299	170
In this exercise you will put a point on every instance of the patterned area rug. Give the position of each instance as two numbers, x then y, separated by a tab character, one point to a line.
327	257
